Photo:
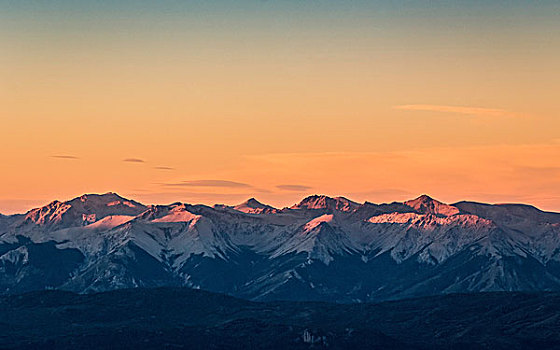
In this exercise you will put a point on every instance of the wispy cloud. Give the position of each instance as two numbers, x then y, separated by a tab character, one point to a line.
475	111
133	160
299	188
163	168
209	183
65	156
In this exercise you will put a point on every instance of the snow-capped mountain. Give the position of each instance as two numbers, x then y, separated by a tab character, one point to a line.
322	248
81	211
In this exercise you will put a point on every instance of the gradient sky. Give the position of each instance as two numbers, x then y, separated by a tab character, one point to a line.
218	101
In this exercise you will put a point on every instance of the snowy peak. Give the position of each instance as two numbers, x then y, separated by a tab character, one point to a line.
318	221
253	206
178	213
157	212
319	239
427	205
82	210
49	214
110	202
321	202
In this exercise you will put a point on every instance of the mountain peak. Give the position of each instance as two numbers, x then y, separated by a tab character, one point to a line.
326	202
425	198
109	196
95	202
253	206
83	210
428	205
253	203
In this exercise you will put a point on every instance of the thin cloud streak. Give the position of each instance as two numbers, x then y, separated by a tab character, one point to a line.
163	168
62	156
476	111
133	160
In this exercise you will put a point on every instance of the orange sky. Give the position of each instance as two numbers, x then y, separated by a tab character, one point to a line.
379	106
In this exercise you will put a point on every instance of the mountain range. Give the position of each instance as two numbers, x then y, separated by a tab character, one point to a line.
321	249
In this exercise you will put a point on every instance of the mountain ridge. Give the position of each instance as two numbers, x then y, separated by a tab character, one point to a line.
302	204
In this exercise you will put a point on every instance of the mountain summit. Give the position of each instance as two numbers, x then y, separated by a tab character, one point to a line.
322	202
426	204
253	206
82	210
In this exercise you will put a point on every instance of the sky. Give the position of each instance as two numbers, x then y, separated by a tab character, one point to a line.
218	101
